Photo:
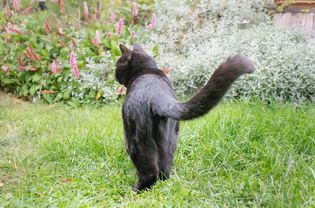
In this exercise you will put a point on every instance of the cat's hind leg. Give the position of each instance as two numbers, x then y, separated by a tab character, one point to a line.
165	172
165	162
167	148
146	163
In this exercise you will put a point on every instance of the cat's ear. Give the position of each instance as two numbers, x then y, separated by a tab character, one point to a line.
125	52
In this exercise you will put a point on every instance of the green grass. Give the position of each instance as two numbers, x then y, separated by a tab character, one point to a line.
242	154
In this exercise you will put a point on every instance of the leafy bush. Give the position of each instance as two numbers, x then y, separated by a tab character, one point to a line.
193	45
36	41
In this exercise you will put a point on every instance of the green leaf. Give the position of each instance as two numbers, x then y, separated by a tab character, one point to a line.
47	98
66	95
9	81
106	44
58	98
36	77
33	89
156	50
92	94
24	90
115	50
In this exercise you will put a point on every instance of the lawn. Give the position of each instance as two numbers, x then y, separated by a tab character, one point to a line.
242	154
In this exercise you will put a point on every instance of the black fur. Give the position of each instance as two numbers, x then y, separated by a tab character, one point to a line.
151	112
42	5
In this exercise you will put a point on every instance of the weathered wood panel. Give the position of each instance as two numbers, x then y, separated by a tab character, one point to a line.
304	22
298	15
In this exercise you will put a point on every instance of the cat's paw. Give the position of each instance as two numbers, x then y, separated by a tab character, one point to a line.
135	189
241	63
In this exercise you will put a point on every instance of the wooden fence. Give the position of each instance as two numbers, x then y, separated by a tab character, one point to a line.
298	15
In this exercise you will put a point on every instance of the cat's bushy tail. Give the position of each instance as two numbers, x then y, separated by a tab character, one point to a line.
214	90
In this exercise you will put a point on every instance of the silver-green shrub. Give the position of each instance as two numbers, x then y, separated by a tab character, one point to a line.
196	36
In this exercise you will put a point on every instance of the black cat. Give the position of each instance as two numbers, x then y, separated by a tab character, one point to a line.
151	112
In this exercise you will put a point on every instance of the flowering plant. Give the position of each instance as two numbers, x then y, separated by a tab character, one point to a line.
58	59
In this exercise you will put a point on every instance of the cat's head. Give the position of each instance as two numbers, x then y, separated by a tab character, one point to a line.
131	62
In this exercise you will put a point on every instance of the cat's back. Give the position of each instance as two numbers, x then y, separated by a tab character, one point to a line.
145	92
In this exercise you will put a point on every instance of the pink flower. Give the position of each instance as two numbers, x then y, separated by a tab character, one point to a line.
10	26
166	71
16	5
54	67
133	34
120	26
110	33
19	59
121	89
47	27
8	11
62	6
21	68
5	68
60	32
86	11
20	63
74	64
153	22
112	17
94	42
135	9
97	37
12	29
97	40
